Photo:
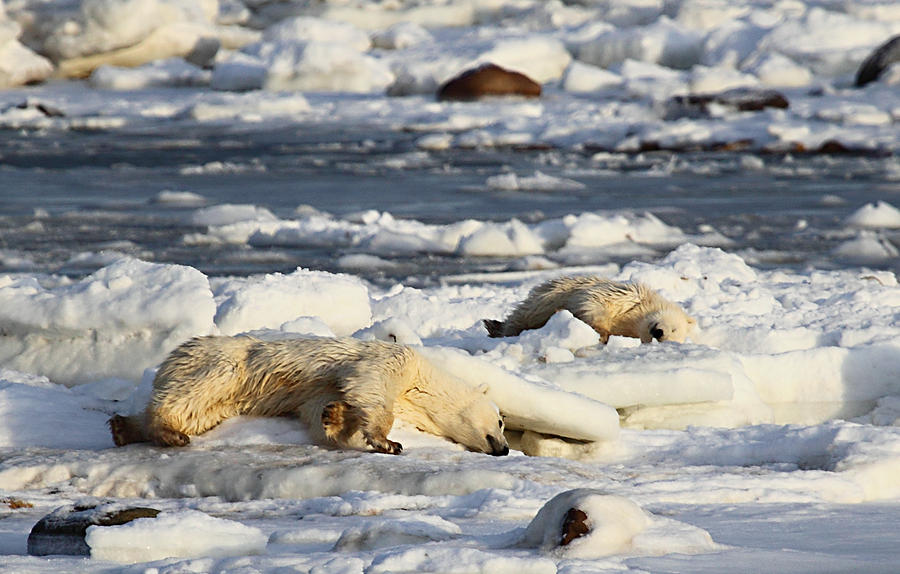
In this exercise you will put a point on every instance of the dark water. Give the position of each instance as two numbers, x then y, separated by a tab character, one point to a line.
65	194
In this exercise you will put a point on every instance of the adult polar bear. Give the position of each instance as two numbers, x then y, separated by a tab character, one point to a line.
610	307
345	390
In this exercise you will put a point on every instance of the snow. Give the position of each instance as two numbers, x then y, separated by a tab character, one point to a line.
185	534
789	388
615	64
770	437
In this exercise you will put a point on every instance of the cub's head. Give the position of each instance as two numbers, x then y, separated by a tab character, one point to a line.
466	417
667	324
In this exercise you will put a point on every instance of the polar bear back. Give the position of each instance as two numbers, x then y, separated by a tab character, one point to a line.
224	377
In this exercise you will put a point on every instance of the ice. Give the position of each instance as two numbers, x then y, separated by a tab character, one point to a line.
877	215
18	64
162	73
542	59
585	78
114	323
339	301
175	197
867	248
617	525
537	182
770	437
184	534
663	42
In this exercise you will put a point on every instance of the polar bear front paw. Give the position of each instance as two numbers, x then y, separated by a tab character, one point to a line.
385	445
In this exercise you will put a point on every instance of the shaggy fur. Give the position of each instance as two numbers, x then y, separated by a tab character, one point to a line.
611	308
345	390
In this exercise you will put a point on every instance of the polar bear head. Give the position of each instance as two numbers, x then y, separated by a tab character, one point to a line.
669	323
464	415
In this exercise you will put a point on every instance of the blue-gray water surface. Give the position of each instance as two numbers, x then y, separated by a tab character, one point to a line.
65	194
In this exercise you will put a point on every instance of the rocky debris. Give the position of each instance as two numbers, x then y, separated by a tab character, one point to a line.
738	99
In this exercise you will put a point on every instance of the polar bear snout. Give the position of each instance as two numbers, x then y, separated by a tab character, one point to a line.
657	333
498	446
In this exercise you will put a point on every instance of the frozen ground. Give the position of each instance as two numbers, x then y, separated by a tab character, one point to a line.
771	435
301	179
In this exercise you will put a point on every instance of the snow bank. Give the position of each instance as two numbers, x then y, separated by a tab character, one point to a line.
37	413
614	524
184	534
879	215
19	65
308	54
570	237
114	323
274	301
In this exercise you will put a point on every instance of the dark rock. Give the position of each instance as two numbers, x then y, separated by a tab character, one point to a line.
883	56
488	80
574	526
204	52
48	111
738	99
62	531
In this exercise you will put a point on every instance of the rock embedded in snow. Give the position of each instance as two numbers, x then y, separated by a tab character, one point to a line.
485	81
873	66
738	99
585	523
63	530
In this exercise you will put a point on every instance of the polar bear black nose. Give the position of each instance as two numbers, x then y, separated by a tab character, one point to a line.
657	333
497	448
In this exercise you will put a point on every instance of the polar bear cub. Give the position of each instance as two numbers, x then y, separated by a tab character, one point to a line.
345	390
610	307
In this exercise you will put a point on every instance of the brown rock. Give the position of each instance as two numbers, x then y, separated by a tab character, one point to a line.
488	80
574	526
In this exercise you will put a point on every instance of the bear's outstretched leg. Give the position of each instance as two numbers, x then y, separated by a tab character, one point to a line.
375	428
339	422
164	435
126	430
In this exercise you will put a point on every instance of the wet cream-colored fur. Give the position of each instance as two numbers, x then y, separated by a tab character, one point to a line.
345	390
610	307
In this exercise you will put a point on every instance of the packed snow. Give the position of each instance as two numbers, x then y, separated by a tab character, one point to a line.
769	440
786	395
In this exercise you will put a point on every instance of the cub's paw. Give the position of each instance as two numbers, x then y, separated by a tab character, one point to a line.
385	445
118	425
166	436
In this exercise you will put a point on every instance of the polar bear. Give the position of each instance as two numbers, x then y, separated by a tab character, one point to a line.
610	307
345	390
